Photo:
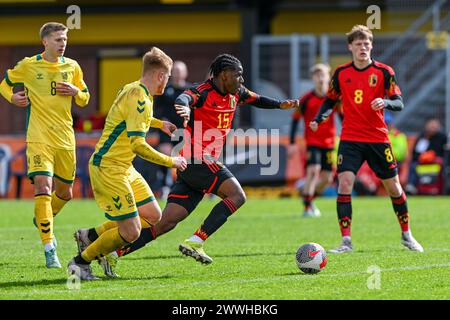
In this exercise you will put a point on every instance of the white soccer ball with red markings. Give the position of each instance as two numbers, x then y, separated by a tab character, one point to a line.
311	258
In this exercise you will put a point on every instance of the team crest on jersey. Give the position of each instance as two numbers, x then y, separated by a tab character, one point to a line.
129	198
232	102
64	76
39	76
373	80
37	160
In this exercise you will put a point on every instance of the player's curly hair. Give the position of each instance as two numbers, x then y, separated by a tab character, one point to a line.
223	62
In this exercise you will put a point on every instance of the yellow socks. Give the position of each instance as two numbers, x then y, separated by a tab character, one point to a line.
105	226
44	217
107	242
112	224
57	203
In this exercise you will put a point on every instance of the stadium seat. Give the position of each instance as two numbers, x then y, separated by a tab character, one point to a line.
84	153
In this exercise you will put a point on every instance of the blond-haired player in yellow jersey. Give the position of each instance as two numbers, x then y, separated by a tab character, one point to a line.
50	82
120	191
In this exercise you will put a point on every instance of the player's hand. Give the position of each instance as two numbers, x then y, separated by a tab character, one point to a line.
289	104
168	128
184	112
19	99
180	163
313	125
377	104
66	89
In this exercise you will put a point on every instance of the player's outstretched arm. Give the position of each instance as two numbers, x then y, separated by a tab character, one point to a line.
183	105
248	97
165	126
324	112
146	152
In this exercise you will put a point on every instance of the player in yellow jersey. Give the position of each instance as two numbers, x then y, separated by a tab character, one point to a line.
120	191
50	82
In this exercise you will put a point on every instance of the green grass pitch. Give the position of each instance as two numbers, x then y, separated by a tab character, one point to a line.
253	255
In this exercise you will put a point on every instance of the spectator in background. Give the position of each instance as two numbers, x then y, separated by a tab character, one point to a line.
428	148
165	110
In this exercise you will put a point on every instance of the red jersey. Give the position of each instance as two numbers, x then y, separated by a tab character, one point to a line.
357	88
324	137
212	113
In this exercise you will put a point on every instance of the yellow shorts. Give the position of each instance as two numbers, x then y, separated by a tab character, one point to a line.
48	161
118	191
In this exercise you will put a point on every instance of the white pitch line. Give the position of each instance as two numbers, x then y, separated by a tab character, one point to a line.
240	281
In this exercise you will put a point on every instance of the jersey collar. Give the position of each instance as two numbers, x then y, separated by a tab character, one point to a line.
40	57
145	88
363	69
216	88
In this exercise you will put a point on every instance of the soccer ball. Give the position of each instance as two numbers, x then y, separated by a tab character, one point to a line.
311	258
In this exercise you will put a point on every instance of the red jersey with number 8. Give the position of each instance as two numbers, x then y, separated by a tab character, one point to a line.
357	88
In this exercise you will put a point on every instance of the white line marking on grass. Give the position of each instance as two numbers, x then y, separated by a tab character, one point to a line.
218	282
438	249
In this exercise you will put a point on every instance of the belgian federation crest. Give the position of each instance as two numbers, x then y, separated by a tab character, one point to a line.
373	80
232	102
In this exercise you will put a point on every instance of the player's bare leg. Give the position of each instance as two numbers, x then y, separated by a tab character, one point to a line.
325	178
399	203
344	210
44	218
233	197
311	180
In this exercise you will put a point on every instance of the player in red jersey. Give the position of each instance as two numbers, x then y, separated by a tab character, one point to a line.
208	109
320	144
362	85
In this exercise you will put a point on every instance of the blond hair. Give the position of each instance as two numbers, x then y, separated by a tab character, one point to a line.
50	27
359	32
156	59
325	68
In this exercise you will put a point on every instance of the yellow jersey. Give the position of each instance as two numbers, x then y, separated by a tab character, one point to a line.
131	114
49	117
